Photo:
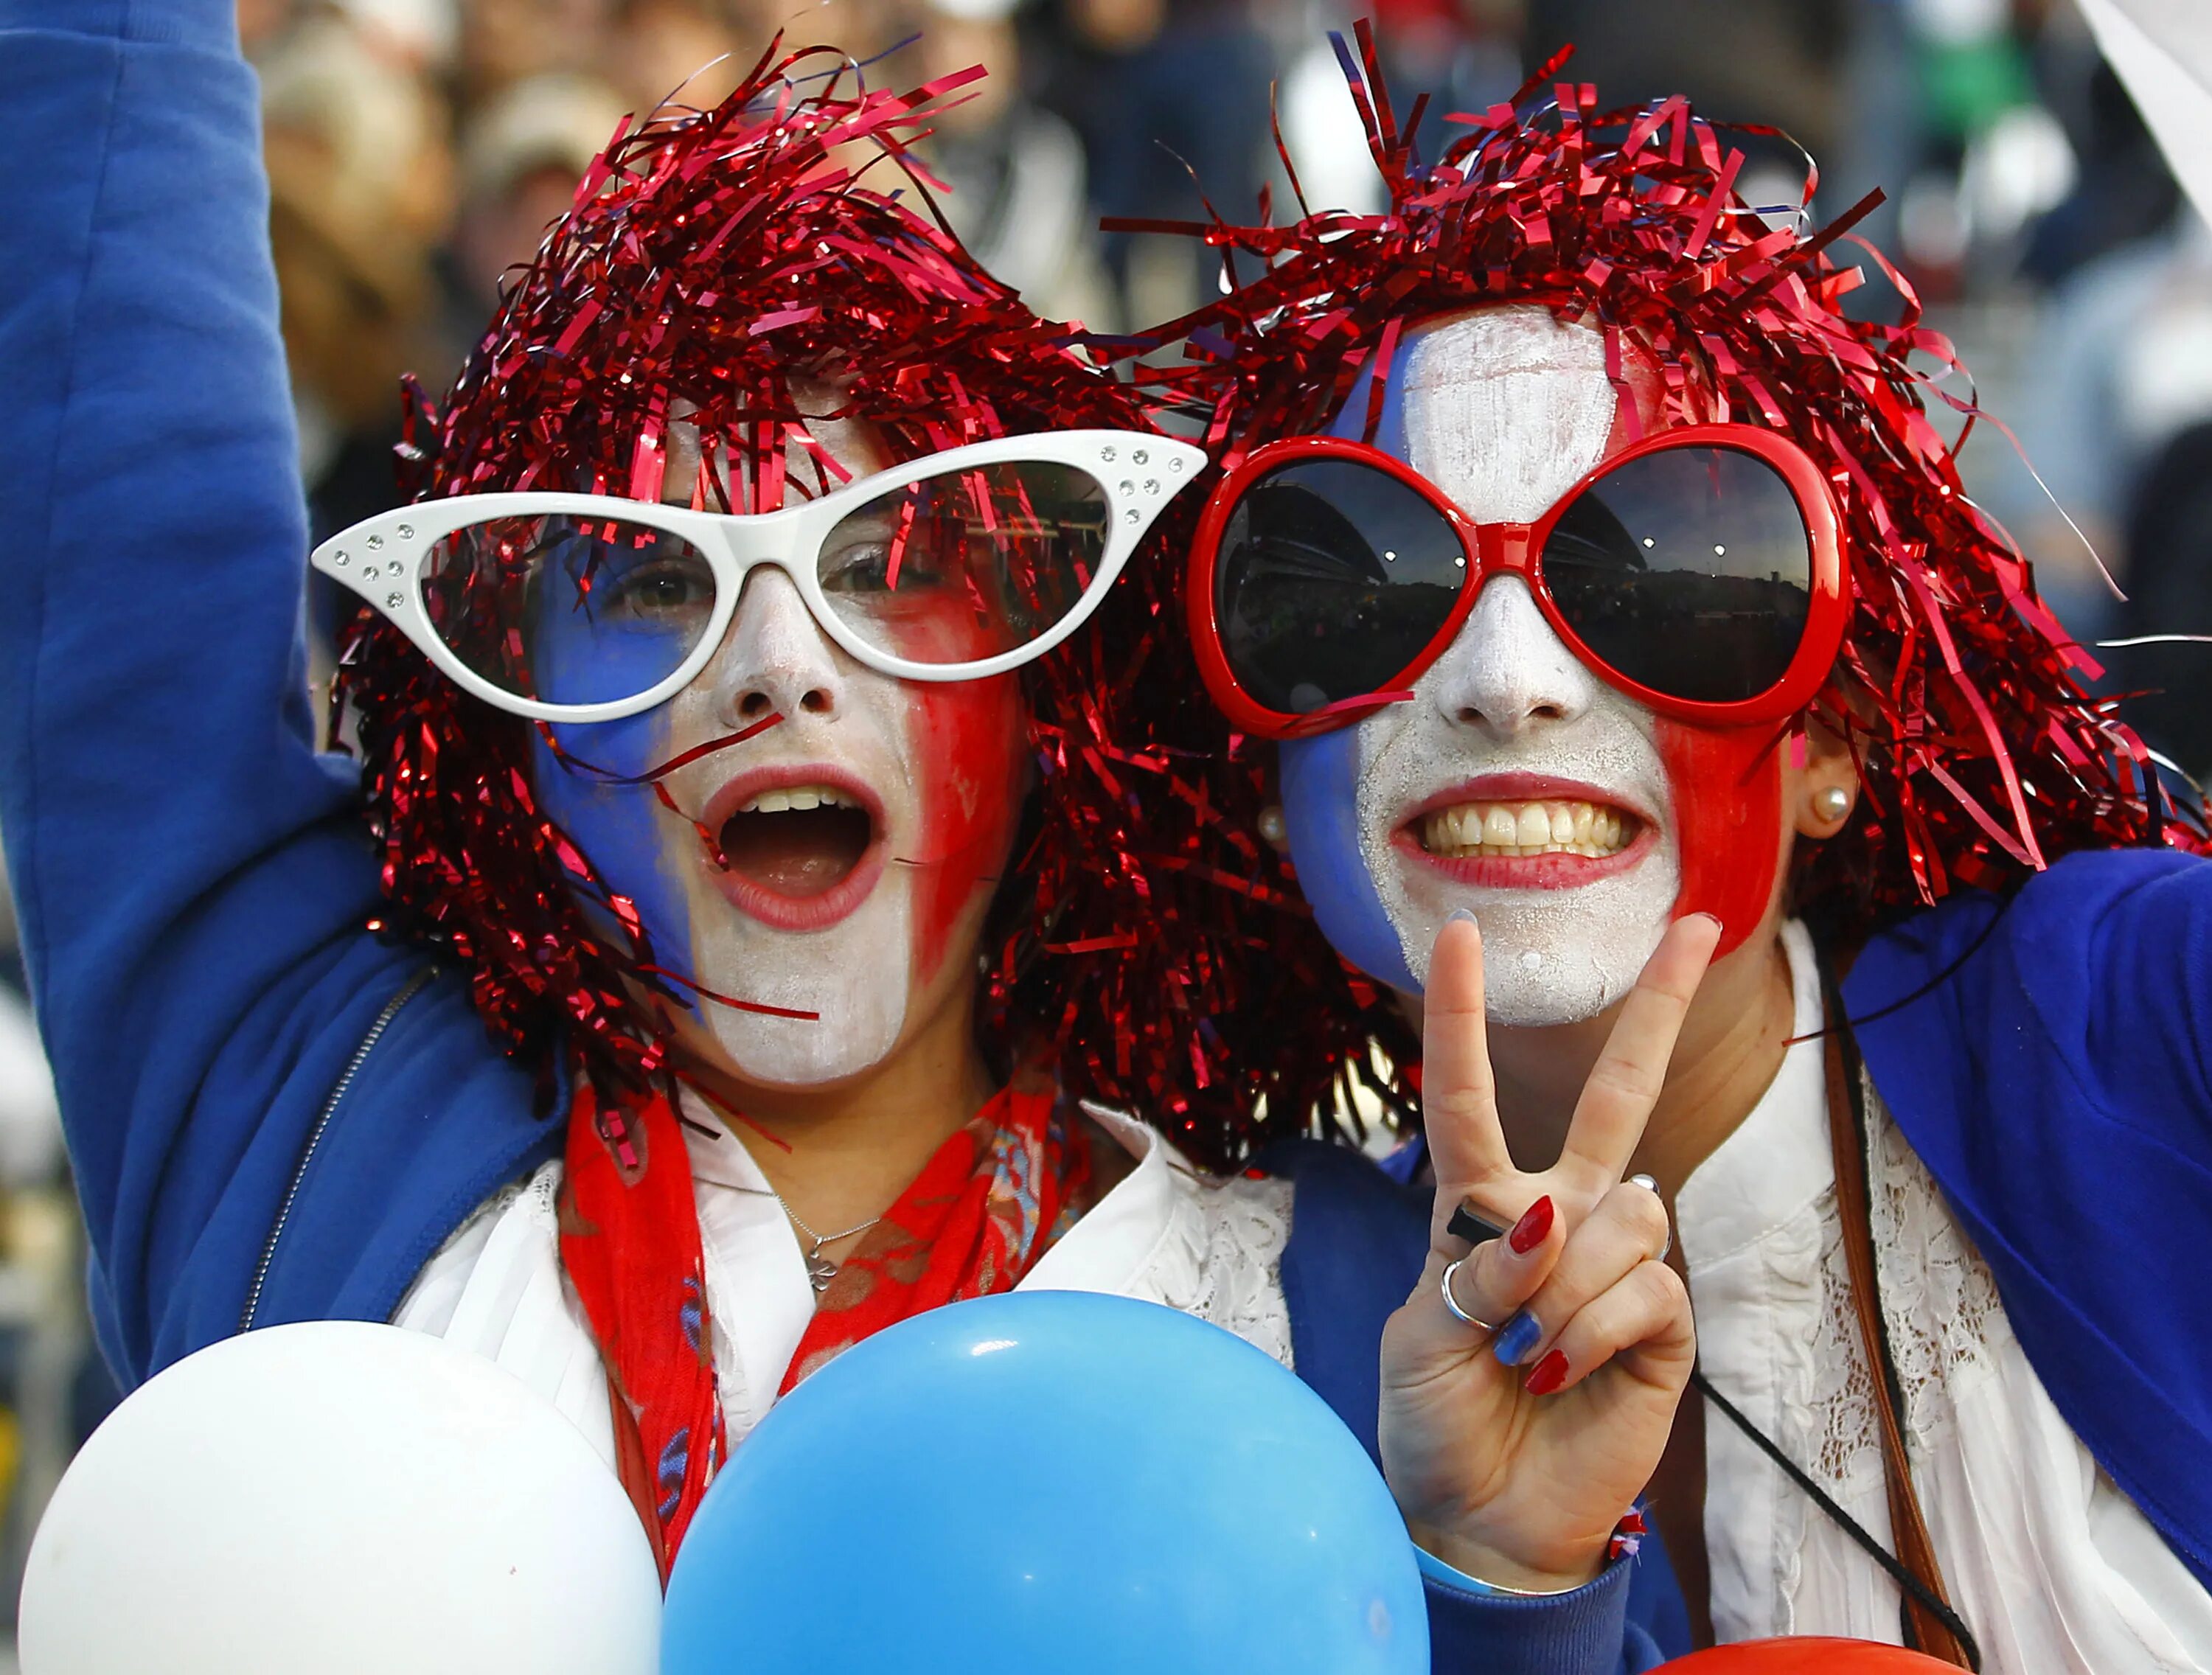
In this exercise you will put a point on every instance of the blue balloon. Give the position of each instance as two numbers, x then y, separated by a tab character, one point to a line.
1048	1480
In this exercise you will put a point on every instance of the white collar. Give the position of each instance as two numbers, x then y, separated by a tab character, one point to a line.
758	1295
1776	1165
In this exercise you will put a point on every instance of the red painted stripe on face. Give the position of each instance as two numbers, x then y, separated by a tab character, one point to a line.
966	740
1726	785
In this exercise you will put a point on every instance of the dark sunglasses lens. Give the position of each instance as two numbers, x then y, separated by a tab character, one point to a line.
569	610
1331	578
1688	571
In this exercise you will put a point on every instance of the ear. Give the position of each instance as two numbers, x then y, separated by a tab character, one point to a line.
1819	781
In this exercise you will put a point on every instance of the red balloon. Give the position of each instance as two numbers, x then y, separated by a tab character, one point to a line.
1814	1654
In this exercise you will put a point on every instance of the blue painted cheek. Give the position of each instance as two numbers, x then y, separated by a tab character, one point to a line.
620	828
1321	811
581	657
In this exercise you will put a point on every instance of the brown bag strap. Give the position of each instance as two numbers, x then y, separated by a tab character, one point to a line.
1930	1624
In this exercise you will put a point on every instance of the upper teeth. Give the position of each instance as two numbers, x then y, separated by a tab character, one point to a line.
1526	828
797	796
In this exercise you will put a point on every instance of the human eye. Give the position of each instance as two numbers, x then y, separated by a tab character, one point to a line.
858	561
656	586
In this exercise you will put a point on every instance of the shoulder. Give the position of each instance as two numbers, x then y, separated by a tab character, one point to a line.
2100	943
1344	1200
2070	900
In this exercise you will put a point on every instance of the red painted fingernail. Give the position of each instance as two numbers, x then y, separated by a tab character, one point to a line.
1547	1376
1528	1232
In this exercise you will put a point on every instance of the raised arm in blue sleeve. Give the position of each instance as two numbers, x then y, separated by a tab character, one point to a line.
192	879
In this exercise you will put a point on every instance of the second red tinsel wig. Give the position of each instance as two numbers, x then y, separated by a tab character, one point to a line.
1982	754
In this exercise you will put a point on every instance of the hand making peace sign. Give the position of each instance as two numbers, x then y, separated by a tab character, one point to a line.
1514	1443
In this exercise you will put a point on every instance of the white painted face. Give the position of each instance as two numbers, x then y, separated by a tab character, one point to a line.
859	839
1516	784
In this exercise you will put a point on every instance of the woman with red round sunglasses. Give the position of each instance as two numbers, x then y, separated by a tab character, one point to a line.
1579	565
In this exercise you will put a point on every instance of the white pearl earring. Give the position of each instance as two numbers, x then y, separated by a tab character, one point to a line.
1272	828
1831	802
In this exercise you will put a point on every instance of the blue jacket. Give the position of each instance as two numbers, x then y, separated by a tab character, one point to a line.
273	1114
2049	1059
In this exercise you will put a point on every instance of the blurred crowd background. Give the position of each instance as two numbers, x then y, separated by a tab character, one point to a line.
416	148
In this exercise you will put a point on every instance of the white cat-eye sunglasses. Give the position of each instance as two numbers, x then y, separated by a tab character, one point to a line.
964	564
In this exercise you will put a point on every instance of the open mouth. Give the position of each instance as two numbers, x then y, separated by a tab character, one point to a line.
799	841
1505	830
795	848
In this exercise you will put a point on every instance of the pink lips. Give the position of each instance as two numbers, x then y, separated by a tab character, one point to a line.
771	908
1526	872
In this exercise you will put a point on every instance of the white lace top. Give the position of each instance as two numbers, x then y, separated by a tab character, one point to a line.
2049	1563
1163	1233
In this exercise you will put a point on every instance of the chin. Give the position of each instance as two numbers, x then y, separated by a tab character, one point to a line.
1559	946
855	972
1537	974
793	1053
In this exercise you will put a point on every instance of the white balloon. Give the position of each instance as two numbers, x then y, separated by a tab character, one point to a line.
345	1498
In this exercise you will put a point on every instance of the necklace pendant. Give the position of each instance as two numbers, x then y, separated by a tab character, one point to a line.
820	1270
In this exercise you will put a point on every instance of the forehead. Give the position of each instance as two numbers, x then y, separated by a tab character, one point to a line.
853	442
1503	408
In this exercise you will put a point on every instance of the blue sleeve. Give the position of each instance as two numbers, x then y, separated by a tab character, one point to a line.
192	879
1587	1632
2050	1059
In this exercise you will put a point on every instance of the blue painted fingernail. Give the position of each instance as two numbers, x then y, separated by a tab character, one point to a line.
1517	1338
1466	913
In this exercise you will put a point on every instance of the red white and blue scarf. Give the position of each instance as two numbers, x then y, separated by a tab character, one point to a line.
990	1201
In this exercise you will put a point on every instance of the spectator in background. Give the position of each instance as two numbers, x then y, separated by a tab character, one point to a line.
1019	199
2121	362
1161	93
505	41
864	28
2169	551
361	192
2125	190
691	51
260	21
1464	54
1780	64
522	154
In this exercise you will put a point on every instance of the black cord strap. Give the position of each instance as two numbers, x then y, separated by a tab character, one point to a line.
1851	1526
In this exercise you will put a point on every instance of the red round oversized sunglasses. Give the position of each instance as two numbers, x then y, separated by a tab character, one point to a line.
1699	571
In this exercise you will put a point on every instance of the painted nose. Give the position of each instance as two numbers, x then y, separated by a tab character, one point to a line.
1507	672
775	660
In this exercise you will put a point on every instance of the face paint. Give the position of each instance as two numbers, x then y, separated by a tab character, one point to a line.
971	793
1517	783
1729	817
847	850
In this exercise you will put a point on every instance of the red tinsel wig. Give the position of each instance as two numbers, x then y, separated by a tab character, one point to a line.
713	261
1982	756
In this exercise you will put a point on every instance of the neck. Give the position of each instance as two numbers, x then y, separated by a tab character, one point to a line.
842	1154
1731	1046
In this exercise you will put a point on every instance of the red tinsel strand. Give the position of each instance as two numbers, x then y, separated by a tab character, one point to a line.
720	269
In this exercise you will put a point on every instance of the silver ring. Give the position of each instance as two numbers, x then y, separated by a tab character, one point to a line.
1452	1302
1666	1239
